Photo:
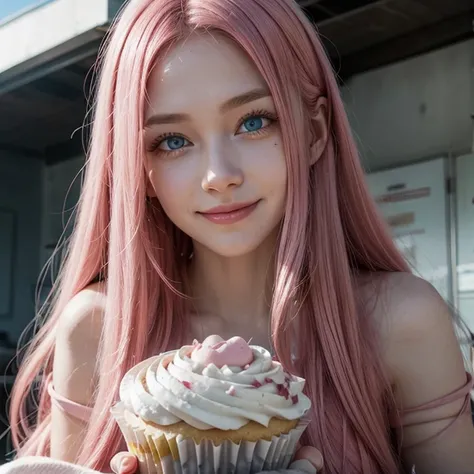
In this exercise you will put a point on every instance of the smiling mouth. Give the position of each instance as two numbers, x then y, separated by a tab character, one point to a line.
229	214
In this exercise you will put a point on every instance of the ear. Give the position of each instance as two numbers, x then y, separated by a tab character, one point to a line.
319	129
150	189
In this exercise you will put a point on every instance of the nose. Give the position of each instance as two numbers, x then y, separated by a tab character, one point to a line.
223	171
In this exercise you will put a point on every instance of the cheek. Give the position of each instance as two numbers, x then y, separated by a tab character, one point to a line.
173	182
268	165
174	191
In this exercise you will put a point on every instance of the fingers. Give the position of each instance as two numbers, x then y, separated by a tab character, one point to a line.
302	466
308	460
312	455
124	463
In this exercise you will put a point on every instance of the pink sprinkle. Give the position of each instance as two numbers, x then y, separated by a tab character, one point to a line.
268	380
294	399
231	391
283	391
256	384
186	384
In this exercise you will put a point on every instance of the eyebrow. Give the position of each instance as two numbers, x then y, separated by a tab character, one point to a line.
166	118
228	105
243	99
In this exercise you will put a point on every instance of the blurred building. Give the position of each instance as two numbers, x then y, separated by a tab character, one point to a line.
407	78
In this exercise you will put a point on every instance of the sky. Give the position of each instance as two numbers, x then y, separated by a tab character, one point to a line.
8	7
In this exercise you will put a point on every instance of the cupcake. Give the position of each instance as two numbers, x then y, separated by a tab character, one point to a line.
216	406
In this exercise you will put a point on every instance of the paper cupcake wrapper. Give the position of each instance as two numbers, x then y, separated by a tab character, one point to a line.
159	453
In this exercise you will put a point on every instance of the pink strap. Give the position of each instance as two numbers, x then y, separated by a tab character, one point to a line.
76	410
398	420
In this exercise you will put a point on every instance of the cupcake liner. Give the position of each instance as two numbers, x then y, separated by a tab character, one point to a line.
159	453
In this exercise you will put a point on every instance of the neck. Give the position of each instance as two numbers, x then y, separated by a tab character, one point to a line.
234	288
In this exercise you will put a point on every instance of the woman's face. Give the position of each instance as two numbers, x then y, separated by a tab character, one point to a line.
213	145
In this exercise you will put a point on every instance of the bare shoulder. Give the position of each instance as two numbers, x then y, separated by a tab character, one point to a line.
82	316
409	308
77	342
419	345
407	304
423	360
75	373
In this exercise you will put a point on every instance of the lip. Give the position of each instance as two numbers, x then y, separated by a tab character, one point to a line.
231	213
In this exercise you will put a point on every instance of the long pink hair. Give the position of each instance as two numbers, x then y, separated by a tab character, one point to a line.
331	232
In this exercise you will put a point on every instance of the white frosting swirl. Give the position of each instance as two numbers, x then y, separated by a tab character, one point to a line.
171	387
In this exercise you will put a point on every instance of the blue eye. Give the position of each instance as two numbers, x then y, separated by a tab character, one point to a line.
173	143
252	124
255	122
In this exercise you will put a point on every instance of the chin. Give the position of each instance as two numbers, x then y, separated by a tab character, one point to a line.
232	248
232	251
231	243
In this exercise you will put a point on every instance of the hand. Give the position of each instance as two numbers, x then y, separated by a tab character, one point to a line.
124	463
307	460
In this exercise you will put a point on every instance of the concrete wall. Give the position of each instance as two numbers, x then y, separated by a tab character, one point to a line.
20	232
414	109
48	26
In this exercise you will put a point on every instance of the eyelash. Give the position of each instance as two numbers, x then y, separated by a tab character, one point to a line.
260	113
153	148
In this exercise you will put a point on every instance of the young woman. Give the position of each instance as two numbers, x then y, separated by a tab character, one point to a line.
224	195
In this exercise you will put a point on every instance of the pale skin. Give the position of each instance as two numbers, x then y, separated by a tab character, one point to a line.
220	159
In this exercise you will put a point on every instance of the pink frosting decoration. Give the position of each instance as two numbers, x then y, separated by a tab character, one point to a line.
215	350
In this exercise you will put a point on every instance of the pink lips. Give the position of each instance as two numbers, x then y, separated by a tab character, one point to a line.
229	214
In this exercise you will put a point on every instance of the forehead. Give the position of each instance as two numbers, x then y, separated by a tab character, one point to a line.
204	69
